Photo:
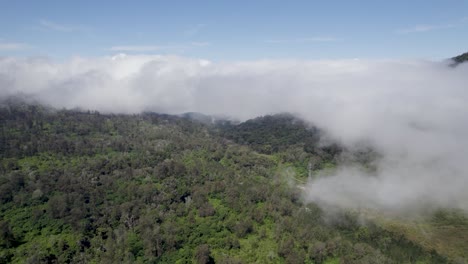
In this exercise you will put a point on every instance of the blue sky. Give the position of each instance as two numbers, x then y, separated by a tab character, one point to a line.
236	30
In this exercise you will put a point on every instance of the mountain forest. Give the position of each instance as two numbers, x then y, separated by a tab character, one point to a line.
85	187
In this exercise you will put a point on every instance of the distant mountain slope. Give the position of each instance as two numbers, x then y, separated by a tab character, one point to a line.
86	187
272	132
205	119
461	58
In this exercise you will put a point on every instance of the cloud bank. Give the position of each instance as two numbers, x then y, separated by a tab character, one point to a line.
413	112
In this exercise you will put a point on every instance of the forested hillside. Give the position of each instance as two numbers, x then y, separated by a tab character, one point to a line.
461	58
85	187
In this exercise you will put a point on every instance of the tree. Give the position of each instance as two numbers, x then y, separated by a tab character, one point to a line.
203	255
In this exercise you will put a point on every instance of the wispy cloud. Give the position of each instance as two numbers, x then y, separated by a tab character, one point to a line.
10	46
302	40
432	27
47	24
136	48
194	30
139	48
200	44
149	48
424	28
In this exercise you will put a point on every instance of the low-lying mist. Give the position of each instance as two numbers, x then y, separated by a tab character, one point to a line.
414	113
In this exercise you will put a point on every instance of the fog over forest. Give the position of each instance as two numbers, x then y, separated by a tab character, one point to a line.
413	112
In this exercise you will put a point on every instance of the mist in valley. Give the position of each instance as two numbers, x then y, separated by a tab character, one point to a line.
412	112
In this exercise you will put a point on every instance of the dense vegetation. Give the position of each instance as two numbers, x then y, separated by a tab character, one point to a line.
270	134
85	187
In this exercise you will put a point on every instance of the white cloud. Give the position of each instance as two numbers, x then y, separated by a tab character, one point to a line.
59	27
149	48
137	48
10	46
424	28
413	112
302	40
200	44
